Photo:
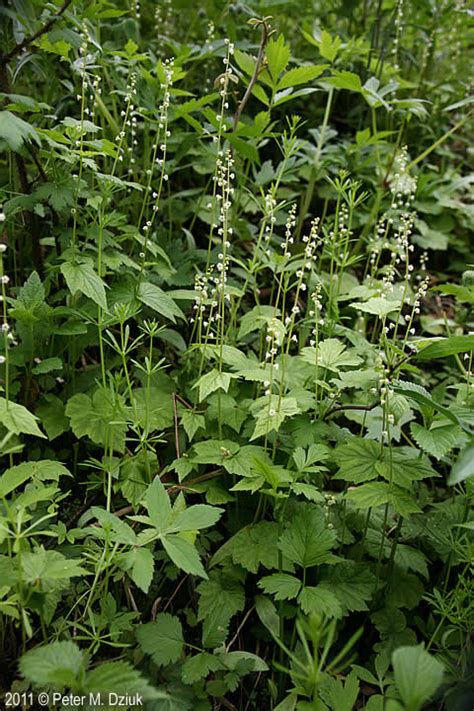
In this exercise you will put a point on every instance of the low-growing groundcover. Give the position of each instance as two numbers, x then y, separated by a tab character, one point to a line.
236	407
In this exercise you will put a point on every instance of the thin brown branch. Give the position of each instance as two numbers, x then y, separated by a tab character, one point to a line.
240	627
36	35
175	592
256	72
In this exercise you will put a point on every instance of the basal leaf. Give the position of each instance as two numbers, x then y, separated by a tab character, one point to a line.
208	383
159	301
14	131
58	664
319	599
142	566
196	517
307	541
281	585
183	554
121	679
17	419
157	502
301	75
80	276
251	547
437	441
377	306
162	639
220	598
463	468
375	493
417	675
278	55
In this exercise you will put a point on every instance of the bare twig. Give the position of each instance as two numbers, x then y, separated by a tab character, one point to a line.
123	512
239	628
175	592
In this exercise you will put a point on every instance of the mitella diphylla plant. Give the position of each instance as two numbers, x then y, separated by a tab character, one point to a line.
236	355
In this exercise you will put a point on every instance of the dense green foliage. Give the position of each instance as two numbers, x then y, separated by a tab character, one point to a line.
237	397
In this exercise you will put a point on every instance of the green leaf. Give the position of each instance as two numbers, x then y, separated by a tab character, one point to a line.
403	502
58	664
340	696
102	417
80	276
357	460
278	55
42	470
301	75
159	301
463	468
47	366
45	567
307	541
258	317
366	496
268	614
353	585
214	451
61	47
281	585
319	599
446	347
18	419
377	306
162	639
14	131
183	554
153	408
309	491
196	517
212	381
143	565
158	505
436	441
192	422
244	61
51	412
417	675
220	598
329	46
110	523
462	293
346	80
271	416
251	546
199	667
420	395
120	678
13	478
330	354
